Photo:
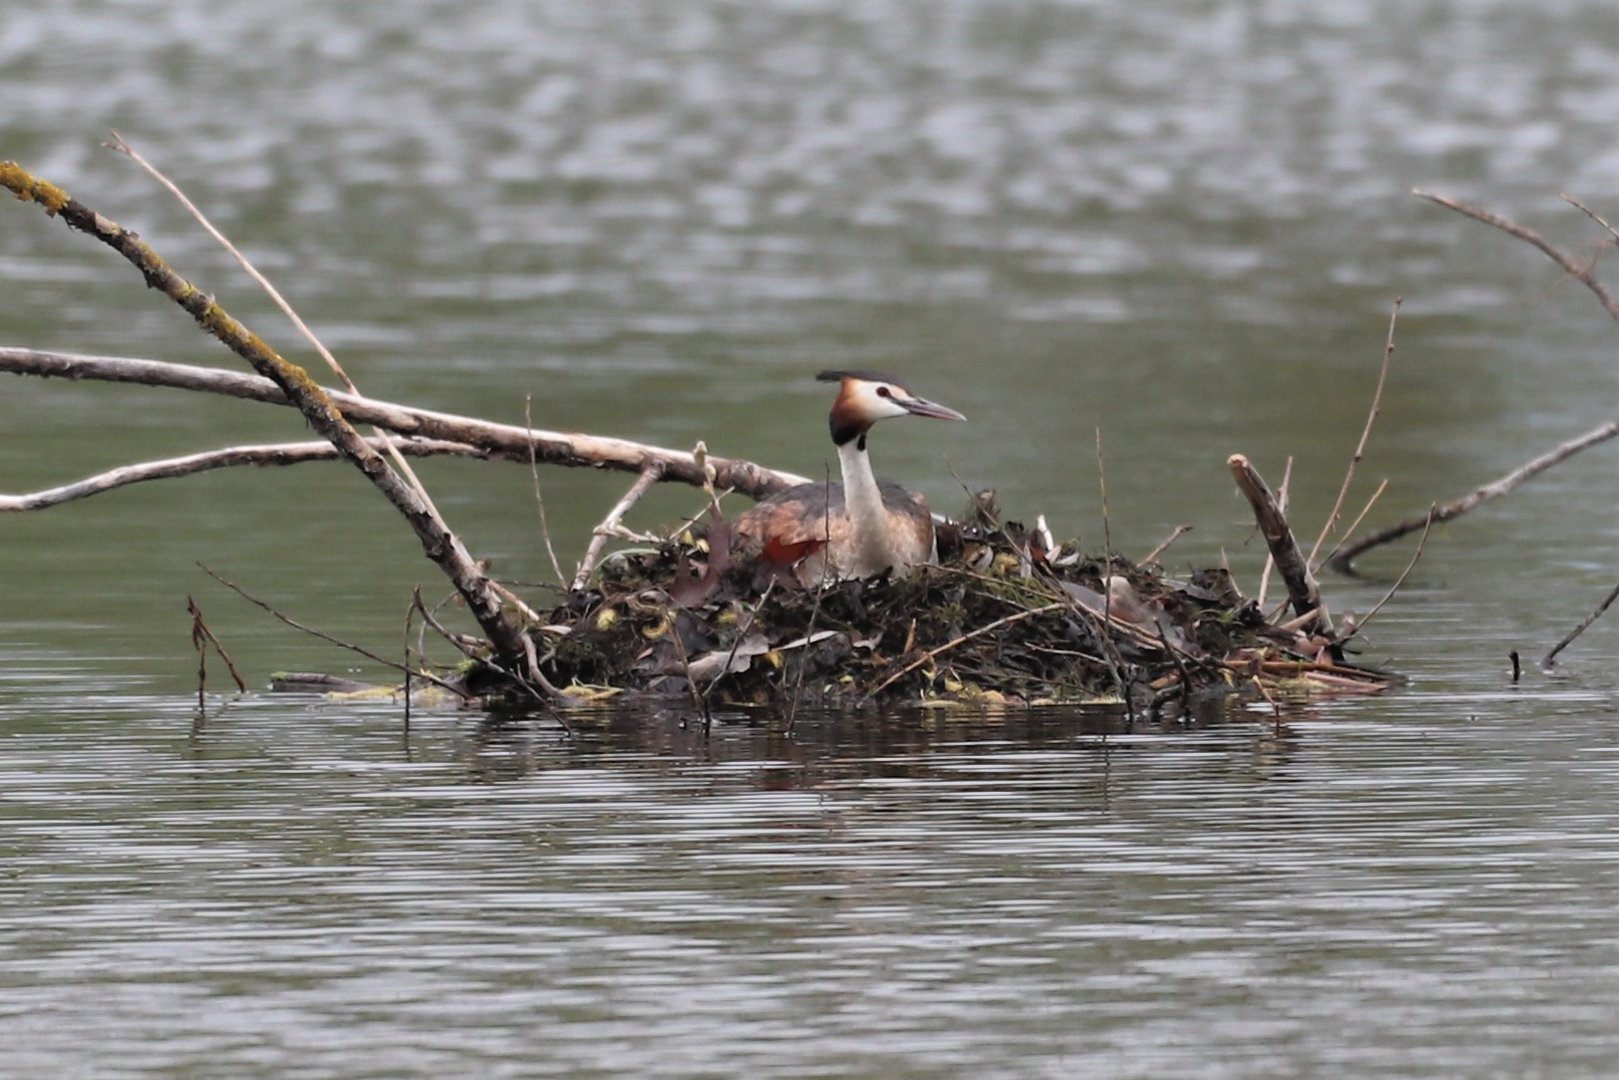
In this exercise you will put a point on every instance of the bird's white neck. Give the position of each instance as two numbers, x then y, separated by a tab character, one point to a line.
868	518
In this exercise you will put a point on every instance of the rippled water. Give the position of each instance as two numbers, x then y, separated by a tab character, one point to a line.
1397	894
1183	223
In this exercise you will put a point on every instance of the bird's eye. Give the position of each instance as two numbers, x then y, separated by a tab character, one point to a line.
883	391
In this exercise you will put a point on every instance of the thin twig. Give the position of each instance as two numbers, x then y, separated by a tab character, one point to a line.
1110	648
226	457
120	145
1382	486
803	663
539	499
1592	214
1015	617
410	620
1101	483
736	643
1366	618
1163	545
1180	666
610	524
1551	658
296	625
1365	435
200	643
201	636
697	697
1583	272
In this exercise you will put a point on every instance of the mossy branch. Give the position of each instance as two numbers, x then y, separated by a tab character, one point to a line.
442	546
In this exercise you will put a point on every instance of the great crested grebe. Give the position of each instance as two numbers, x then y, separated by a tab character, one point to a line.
862	527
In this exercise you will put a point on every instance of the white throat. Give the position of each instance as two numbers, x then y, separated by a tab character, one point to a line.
868	518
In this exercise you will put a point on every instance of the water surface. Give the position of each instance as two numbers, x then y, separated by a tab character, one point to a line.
1184	224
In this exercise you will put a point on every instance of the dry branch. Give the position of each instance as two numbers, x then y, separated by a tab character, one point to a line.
1281	508
119	145
1360	624
1344	560
191	464
441	546
611	523
1581	270
1163	545
511	441
1302	588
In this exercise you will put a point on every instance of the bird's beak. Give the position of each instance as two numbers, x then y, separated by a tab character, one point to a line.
922	407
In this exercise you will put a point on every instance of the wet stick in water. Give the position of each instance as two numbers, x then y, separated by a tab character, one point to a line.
1585	623
201	638
1110	649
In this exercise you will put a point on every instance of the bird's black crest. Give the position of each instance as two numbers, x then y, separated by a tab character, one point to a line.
864	376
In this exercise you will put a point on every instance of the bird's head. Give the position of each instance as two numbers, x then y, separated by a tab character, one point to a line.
865	397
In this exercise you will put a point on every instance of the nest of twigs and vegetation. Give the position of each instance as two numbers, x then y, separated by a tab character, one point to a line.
999	620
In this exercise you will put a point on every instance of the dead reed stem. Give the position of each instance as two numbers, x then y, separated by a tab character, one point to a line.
1365	435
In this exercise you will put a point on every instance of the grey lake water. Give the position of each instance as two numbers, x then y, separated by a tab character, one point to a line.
1181	225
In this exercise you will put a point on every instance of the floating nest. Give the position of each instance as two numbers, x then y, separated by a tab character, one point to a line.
1001	619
